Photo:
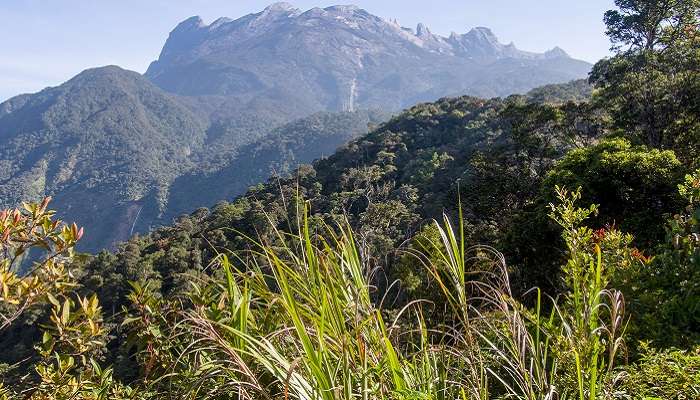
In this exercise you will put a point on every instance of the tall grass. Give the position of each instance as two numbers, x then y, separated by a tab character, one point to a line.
295	319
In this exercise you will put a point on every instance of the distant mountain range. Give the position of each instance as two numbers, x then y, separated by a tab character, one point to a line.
230	103
343	58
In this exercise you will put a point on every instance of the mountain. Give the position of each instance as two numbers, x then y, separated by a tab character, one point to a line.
343	58
100	143
229	104
118	154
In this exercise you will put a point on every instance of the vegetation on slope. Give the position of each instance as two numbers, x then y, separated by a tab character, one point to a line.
337	282
296	318
575	91
57	141
111	142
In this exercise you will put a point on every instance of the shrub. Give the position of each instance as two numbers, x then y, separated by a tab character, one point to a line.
634	186
668	375
665	290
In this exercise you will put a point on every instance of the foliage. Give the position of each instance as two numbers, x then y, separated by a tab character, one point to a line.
75	337
416	282
385	183
308	328
313	315
25	230
649	87
337	281
575	91
594	313
666	289
69	369
571	352
648	25
634	185
672	374
296	318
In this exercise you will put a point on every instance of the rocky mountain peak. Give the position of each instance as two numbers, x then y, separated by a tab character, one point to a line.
277	11
339	58
423	31
343	9
556	52
193	38
219	22
483	35
190	24
280	7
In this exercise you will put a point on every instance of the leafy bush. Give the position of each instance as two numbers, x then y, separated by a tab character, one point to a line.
635	186
75	337
672	374
665	290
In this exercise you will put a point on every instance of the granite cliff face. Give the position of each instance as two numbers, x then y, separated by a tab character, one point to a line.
343	58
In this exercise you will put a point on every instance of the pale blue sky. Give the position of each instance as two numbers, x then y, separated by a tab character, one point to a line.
45	42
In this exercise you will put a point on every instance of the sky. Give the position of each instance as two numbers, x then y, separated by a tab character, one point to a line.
46	42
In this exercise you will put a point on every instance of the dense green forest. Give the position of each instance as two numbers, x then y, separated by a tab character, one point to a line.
111	142
544	246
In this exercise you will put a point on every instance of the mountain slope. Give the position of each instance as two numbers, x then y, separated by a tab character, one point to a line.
100	143
120	156
277	154
386	183
343	58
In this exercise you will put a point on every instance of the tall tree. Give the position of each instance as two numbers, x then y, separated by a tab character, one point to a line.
650	86
650	24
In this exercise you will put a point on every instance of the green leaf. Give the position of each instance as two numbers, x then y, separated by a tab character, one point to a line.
130	320
65	312
53	300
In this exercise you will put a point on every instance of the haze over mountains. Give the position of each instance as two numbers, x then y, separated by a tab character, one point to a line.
226	104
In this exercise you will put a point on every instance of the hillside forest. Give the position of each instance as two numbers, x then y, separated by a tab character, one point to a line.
537	247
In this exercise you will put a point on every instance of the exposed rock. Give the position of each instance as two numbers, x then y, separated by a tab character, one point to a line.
321	58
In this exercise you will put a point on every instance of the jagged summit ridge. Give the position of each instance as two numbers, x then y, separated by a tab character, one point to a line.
343	58
280	6
556	52
479	42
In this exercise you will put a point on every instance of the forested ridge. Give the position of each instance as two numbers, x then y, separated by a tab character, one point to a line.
111	142
539	246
